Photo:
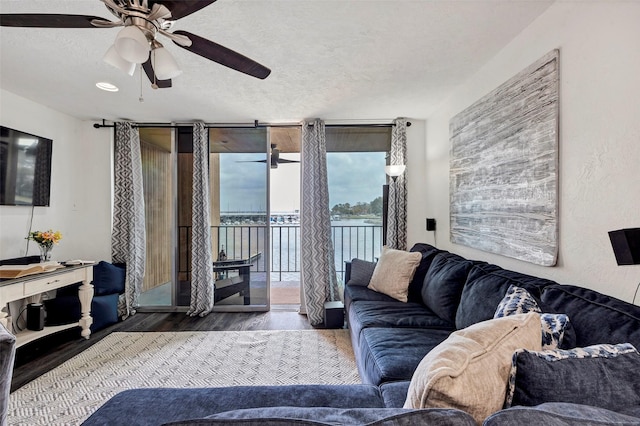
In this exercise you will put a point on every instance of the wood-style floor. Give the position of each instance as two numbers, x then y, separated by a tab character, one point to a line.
39	357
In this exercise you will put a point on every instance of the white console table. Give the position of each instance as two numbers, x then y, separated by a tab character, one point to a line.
31	285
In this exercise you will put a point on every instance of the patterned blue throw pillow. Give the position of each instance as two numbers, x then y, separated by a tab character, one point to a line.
600	375
553	327
517	300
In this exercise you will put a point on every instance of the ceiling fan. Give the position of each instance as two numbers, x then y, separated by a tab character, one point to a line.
136	43
275	158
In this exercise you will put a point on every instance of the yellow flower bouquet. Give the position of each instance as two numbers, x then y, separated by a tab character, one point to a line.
45	240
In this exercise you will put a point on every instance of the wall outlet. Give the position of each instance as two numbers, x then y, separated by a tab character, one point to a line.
431	224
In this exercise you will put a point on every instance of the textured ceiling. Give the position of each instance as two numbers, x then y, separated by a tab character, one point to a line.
334	59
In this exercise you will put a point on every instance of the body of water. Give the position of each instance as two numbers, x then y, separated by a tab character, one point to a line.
352	238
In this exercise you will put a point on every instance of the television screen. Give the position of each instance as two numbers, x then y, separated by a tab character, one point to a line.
25	168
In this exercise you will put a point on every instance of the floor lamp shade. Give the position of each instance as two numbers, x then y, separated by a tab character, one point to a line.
626	245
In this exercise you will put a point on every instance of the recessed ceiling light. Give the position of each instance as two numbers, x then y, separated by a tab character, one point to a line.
103	85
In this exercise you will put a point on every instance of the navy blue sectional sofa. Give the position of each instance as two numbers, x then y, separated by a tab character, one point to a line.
390	338
448	293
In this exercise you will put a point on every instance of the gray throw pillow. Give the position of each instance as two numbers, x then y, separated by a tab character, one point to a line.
560	414
361	272
600	375
394	272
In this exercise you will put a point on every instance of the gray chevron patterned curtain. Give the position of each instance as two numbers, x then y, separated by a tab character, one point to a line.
397	206
201	257
128	237
318	272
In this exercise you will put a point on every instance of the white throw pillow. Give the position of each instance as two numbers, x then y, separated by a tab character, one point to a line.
470	369
393	273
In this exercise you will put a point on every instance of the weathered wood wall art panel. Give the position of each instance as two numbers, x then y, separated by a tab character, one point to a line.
504	167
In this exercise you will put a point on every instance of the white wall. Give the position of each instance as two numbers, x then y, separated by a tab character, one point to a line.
80	184
599	158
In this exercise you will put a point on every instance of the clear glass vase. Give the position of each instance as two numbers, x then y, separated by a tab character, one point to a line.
45	253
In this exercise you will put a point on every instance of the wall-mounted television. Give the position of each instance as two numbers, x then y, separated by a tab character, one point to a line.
25	168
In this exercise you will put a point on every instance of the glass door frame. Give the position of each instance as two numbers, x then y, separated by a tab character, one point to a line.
267	239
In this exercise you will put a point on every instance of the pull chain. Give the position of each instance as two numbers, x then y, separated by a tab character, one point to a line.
154	85
141	99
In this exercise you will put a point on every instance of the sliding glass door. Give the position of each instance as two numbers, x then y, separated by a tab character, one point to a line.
239	176
239	171
254	210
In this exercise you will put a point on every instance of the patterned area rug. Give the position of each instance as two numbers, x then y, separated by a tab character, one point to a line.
68	394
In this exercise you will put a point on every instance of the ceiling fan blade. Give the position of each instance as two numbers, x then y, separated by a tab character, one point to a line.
284	160
180	9
251	161
148	69
47	20
159	11
224	56
103	23
176	38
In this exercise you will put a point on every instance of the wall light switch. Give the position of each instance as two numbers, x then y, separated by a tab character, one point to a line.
431	224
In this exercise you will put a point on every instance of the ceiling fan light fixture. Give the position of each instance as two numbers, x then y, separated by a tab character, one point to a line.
164	65
132	45
113	58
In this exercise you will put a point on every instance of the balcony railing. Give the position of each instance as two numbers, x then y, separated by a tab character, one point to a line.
249	242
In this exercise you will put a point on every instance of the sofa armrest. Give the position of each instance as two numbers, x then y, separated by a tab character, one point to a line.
347	271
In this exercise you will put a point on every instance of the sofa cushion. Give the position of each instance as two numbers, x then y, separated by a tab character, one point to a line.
632	411
560	414
394	393
394	272
601	375
108	279
392	354
443	284
486	286
353	293
365	314
279	416
428	253
361	272
595	317
470	369
395	314
154	406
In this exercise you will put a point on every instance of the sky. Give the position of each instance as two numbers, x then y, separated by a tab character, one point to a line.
353	177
